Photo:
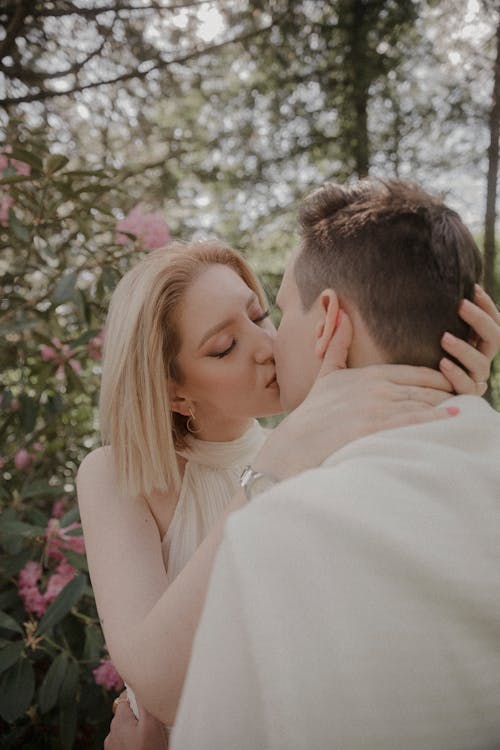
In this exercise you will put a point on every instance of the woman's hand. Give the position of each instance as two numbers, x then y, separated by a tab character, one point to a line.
484	319
128	733
344	405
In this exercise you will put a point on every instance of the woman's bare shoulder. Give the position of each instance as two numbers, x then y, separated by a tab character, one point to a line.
96	469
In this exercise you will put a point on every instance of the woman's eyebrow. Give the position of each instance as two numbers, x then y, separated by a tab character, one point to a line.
220	326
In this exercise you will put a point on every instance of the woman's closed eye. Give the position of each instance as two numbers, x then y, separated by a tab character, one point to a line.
220	355
259	319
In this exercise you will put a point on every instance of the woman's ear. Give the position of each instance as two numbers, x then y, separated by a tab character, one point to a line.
329	313
179	403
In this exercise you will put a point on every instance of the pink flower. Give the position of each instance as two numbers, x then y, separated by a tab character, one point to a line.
6	202
107	676
33	599
149	227
59	507
58	539
94	346
61	355
64	574
30	574
47	352
22	459
20	166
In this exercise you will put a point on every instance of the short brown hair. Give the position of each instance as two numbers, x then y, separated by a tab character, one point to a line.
399	254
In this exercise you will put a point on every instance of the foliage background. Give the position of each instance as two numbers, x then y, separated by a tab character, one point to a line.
219	116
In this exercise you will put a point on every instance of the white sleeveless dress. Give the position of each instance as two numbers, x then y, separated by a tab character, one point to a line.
210	480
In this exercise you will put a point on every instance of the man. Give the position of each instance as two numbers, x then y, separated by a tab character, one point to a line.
356	605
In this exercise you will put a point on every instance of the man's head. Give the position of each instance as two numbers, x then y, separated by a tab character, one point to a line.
394	257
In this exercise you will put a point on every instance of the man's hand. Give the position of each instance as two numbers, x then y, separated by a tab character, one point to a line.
128	733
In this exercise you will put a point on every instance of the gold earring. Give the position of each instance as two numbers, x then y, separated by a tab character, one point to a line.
190	424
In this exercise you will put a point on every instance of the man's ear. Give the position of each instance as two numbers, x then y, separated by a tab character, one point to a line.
329	315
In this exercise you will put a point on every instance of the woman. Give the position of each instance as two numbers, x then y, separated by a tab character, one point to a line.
189	349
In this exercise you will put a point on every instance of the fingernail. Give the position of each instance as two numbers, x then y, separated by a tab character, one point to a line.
453	410
466	303
338	318
478	289
449	338
446	364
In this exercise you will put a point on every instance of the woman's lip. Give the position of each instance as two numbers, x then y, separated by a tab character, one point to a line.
273	381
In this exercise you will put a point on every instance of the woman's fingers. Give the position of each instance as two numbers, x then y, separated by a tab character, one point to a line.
476	363
484	319
484	301
336	354
424	377
420	416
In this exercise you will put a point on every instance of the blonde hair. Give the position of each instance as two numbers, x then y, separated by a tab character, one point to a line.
141	345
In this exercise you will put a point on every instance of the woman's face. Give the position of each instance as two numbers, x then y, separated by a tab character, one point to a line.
226	355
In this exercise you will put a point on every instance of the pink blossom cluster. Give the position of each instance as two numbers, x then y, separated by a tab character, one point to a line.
95	345
6	200
107	676
61	355
58	539
149	227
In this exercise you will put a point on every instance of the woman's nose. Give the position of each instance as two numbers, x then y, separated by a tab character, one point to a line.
264	345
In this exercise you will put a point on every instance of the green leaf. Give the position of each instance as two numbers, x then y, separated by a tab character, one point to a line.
85	338
19	230
17	686
41	487
64	288
13	178
109	277
28	412
67	725
76	560
19	528
94	642
60	607
78	531
51	685
69	685
9	654
54	163
13	564
27	157
72	515
8	623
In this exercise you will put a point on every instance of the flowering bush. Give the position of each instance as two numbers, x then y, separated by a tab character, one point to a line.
59	260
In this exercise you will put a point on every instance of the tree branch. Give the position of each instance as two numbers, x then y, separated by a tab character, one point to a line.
135	74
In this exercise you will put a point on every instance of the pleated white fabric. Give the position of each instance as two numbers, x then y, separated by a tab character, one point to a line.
210	480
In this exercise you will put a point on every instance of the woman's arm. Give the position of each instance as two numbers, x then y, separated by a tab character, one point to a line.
149	628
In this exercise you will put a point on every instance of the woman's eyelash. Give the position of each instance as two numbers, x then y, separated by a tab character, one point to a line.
262	317
227	351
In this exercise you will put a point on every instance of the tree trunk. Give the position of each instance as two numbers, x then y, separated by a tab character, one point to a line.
491	195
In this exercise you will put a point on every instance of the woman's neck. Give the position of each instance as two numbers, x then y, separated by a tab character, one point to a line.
225	431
